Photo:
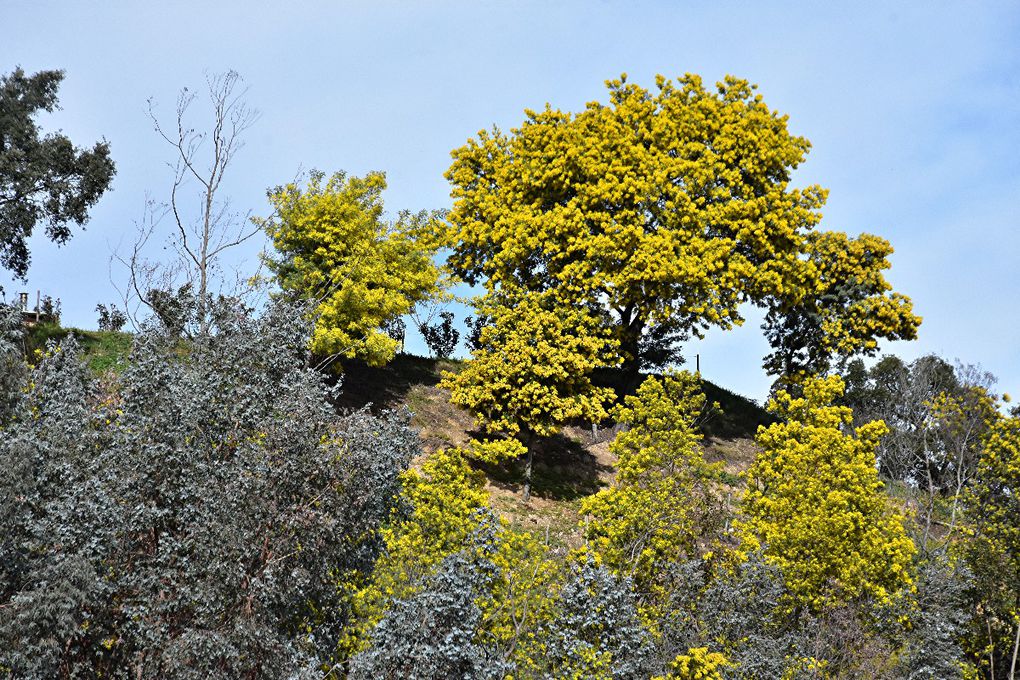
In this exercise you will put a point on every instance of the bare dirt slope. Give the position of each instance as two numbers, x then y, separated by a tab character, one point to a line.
568	467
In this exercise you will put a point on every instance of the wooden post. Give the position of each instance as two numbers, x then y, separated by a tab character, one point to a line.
527	475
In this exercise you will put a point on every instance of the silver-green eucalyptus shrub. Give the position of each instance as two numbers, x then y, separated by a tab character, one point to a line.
745	610
435	633
738	613
939	619
195	520
596	618
12	364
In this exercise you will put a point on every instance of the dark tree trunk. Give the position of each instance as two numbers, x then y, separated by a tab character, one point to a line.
529	441
630	349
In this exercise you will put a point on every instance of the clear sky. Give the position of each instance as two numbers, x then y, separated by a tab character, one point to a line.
913	111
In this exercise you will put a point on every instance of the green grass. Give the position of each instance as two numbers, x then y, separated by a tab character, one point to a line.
104	351
388	386
739	417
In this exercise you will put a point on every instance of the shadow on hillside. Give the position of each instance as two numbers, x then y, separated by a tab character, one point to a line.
387	386
737	417
563	470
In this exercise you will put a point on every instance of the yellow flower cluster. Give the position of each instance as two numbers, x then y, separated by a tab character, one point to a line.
697	664
814	503
335	249
531	373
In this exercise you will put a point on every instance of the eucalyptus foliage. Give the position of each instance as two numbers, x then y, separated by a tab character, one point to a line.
596	631
12	366
435	632
939	621
195	519
737	612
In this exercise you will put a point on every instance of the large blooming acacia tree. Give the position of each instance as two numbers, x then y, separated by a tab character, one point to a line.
667	209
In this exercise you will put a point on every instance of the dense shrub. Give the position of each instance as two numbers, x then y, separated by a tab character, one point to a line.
596	632
939	619
195	520
110	318
441	337
735	611
12	365
434	632
205	513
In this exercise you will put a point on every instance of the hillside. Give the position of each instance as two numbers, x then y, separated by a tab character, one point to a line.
285	438
104	350
568	467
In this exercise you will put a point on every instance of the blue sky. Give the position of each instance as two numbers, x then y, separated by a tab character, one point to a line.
913	111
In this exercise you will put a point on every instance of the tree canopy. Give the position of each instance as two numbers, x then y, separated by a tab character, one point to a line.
362	272
42	178
842	311
814	503
666	209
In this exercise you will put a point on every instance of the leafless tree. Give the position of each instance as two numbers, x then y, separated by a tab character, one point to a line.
144	274
201	234
937	415
963	422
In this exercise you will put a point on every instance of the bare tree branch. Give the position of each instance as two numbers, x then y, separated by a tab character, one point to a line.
201	157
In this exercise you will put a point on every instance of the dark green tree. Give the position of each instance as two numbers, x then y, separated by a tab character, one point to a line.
440	337
42	178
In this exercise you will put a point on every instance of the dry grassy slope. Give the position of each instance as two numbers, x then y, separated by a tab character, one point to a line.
567	467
